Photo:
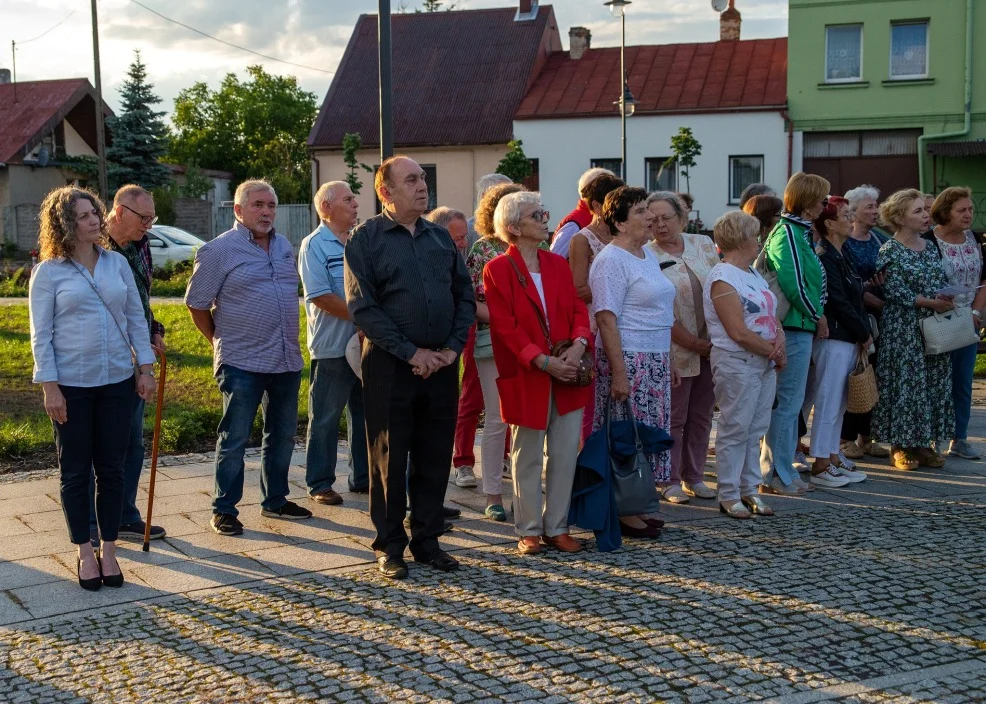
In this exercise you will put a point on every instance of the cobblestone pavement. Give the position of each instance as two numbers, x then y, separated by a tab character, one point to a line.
859	602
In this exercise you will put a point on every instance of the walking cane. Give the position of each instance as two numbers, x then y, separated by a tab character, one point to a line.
154	448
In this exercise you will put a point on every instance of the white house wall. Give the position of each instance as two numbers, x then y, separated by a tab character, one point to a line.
565	147
75	145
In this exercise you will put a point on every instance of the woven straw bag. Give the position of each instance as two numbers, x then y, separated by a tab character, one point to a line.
862	393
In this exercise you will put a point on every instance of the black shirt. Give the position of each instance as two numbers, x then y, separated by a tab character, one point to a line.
408	291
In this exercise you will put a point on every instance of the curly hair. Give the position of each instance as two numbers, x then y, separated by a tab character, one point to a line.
487	206
57	236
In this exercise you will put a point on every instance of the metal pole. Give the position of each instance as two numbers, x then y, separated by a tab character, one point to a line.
100	136
386	81
623	92
13	59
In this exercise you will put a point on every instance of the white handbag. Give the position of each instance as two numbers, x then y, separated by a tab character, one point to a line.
944	332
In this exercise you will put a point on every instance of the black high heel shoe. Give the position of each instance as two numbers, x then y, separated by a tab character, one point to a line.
110	580
93	583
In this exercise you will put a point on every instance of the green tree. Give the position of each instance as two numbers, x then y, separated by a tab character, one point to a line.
684	148
352	143
515	165
140	137
255	129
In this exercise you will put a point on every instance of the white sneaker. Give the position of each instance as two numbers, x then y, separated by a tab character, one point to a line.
854	476
507	472
802	484
801	462
465	477
845	462
829	479
674	494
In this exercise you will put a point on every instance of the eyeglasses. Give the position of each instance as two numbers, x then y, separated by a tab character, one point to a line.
667	218
145	220
540	215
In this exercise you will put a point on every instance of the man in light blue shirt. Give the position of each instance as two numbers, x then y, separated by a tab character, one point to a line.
334	386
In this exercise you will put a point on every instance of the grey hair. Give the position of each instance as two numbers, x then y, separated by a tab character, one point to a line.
326	193
244	190
859	194
755	189
508	212
487	182
590	175
670	198
443	215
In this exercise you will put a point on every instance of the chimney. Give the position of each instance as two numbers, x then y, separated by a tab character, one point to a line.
526	10
579	39
729	24
4	75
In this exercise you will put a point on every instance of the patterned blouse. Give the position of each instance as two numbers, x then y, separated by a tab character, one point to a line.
688	276
963	264
481	254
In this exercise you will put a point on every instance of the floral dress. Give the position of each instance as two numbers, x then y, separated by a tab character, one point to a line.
915	405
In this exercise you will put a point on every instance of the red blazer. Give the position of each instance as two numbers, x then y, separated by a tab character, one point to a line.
517	336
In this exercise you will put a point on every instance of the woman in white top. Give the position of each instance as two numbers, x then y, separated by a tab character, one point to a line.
747	346
962	260
688	259
633	303
86	315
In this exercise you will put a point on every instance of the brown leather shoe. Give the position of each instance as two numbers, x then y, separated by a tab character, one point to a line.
329	497
563	542
529	545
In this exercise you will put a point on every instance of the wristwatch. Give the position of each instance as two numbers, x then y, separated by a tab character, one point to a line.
585	342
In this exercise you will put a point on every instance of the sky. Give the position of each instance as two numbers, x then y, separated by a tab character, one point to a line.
312	33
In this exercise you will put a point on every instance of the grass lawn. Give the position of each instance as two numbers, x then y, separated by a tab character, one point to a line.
192	401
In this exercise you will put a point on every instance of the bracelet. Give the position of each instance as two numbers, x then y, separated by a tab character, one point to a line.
150	374
544	367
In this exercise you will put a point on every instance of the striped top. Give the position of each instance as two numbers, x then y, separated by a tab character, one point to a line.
320	264
253	296
408	291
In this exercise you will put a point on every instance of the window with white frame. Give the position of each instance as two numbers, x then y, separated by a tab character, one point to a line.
909	50
743	170
659	176
843	53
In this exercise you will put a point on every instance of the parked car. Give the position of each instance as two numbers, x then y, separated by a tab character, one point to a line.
172	244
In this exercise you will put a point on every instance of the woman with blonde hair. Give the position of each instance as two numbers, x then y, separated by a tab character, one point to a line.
87	321
915	406
790	253
962	258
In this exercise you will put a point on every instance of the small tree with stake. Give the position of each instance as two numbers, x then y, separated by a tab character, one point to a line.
684	148
515	165
352	143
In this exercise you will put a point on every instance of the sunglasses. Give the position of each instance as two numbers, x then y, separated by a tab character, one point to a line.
540	215
145	220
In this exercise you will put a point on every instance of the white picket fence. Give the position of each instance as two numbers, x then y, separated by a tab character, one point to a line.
294	221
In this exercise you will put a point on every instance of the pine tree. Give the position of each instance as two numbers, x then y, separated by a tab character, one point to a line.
140	136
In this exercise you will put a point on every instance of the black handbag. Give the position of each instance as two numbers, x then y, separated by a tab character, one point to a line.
633	482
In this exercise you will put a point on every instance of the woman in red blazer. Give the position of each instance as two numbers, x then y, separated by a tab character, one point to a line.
519	284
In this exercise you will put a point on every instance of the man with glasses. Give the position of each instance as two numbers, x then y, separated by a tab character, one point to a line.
127	223
408	290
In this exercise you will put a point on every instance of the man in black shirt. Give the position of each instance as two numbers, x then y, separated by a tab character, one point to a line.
408	290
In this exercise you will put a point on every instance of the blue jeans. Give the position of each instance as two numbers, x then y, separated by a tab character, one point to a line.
334	389
277	397
963	366
777	453
132	467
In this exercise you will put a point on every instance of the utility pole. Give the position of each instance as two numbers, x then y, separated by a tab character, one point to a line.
13	59
386	81
100	134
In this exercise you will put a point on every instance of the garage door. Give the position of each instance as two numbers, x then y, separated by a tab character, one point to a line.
886	159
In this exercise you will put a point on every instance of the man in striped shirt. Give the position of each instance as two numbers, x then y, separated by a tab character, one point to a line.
408	290
243	298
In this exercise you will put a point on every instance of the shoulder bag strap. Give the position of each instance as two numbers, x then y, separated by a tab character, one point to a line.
126	339
537	311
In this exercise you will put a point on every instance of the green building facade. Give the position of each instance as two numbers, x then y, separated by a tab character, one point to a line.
891	92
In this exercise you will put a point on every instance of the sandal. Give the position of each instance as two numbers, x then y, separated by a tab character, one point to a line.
929	458
903	459
736	509
757	505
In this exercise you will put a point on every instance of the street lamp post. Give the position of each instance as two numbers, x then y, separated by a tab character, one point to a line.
626	102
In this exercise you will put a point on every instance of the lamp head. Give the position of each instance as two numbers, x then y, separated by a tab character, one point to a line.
719	5
617	7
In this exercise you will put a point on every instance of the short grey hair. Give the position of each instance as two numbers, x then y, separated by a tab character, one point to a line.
244	190
590	176
755	189
487	182
860	193
326	193
443	215
671	199
509	212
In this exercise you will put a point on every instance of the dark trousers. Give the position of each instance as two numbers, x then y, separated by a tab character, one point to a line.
94	439
407	417
133	465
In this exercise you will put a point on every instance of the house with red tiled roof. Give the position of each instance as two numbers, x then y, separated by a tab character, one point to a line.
41	122
731	93
458	79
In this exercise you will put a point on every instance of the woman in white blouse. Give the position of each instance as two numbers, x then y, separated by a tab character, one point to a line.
87	323
687	260
633	302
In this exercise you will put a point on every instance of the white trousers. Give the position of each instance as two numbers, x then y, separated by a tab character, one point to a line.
744	388
834	359
494	430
